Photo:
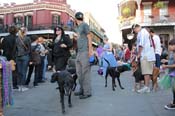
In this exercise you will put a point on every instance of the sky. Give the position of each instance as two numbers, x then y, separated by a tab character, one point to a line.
104	11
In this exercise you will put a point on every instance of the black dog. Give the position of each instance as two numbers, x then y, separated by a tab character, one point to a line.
114	72
67	83
72	71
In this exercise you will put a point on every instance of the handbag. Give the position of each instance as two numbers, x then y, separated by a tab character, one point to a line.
165	82
100	71
93	60
35	56
23	44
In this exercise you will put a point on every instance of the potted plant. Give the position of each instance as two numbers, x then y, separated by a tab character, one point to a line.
126	12
159	4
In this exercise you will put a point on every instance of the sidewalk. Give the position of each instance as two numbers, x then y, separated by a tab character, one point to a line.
44	101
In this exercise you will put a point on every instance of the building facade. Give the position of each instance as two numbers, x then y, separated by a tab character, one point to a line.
41	14
96	30
156	14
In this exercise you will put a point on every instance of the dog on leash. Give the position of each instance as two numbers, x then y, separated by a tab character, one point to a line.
67	83
139	78
115	72
137	73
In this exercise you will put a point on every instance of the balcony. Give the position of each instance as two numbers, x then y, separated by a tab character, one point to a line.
148	20
158	20
126	22
4	29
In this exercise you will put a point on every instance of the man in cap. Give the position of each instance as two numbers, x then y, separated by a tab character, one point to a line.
84	49
146	54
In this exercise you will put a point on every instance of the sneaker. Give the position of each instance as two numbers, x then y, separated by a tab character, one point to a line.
35	84
15	87
78	93
170	106
24	89
85	96
41	81
145	89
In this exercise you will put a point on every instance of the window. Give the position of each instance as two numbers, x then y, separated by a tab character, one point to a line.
147	13
163	12
18	21
56	20
28	21
1	25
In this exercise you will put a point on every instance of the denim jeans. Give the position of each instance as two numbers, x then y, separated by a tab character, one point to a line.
41	69
22	65
45	68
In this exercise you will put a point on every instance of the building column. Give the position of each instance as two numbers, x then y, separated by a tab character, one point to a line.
138	12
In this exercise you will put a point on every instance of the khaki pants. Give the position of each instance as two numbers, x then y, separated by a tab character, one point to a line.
147	66
83	70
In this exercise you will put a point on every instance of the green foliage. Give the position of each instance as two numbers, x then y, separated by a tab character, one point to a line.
159	5
126	12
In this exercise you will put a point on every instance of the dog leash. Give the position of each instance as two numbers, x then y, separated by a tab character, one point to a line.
107	61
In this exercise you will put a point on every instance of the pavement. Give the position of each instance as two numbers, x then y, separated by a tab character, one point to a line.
44	100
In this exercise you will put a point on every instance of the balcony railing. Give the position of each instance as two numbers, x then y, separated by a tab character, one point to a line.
4	29
162	19
149	20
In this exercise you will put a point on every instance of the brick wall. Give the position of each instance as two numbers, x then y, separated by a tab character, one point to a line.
155	11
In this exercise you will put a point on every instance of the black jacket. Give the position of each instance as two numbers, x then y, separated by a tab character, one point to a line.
58	51
9	47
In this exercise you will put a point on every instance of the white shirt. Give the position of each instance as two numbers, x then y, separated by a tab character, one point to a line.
158	49
143	40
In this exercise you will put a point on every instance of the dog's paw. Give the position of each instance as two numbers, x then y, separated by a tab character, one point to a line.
105	85
122	88
113	89
70	105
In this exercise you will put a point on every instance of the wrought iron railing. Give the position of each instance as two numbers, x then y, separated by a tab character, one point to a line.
44	26
150	20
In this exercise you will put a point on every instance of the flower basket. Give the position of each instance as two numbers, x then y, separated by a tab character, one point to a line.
159	5
126	12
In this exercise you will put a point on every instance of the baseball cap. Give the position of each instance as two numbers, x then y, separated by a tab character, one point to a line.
134	26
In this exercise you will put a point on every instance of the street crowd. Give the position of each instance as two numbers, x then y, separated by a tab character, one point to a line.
36	55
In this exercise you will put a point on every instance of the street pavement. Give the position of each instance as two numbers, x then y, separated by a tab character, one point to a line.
44	100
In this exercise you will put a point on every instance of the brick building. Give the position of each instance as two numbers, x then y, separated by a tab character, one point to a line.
39	15
156	14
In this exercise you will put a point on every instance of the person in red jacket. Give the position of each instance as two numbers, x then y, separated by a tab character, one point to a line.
127	54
